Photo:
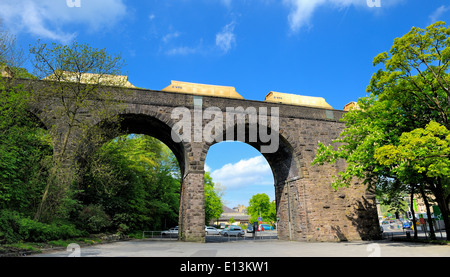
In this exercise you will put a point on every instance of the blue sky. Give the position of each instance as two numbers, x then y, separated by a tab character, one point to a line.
309	47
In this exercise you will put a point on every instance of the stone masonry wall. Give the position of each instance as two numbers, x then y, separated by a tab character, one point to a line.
308	207
192	208
318	212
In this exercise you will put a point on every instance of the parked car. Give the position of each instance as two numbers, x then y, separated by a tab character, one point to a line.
406	225
232	231
265	227
250	229
211	230
172	232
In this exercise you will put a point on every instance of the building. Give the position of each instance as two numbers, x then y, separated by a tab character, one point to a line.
238	214
6	71
351	105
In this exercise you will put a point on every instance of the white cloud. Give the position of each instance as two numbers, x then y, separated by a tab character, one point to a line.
226	3
226	38
302	11
225	41
437	14
47	18
254	171
182	51
170	36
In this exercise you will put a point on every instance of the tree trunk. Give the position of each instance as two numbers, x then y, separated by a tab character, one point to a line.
430	220
413	212
58	159
439	194
445	215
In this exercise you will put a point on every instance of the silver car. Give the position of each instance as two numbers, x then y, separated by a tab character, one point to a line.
211	230
172	232
233	231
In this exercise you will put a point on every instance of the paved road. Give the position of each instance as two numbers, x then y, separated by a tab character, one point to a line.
265	256
255	248
220	255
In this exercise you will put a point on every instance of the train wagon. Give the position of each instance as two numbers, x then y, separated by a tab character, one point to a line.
5	71
92	78
202	89
300	100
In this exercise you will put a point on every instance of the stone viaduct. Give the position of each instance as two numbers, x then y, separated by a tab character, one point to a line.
308	208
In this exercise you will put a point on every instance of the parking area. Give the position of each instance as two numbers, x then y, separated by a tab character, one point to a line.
246	247
212	234
264	235
396	230
216	237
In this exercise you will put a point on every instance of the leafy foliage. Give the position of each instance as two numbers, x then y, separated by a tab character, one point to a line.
14	227
132	178
425	150
131	183
260	206
397	141
24	151
213	202
67	96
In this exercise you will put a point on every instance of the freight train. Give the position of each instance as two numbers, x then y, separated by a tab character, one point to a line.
230	92
213	90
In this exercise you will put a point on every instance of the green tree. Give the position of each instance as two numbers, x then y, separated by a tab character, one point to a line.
415	78
134	179
76	73
25	155
272	214
12	58
24	145
425	152
259	206
213	201
24	152
410	89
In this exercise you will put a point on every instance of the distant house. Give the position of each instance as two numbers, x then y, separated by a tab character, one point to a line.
238	214
5	71
351	105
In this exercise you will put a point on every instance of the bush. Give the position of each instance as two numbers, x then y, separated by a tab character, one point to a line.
9	226
15	228
94	218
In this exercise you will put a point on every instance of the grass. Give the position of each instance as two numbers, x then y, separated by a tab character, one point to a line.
27	248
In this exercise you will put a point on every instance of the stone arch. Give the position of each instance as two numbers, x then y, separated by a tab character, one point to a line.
37	116
286	169
151	123
158	128
284	162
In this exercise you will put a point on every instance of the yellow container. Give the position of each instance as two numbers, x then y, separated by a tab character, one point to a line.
91	78
299	100
351	105
6	71
202	89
